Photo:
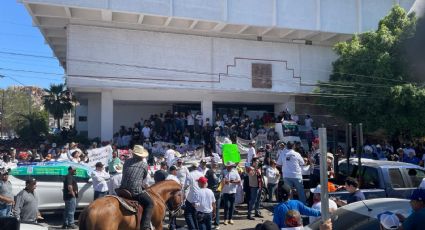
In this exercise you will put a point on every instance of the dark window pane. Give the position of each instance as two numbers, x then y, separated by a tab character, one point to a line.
396	178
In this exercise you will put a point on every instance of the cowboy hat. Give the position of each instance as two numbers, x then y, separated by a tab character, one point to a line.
138	150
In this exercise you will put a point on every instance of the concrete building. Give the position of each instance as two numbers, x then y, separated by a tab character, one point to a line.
128	59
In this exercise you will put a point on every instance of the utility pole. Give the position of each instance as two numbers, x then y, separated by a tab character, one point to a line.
2	114
349	143
359	133
324	196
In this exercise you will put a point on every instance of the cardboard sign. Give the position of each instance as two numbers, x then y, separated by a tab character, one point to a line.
99	155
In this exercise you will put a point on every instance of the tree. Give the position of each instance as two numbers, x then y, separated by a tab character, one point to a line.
370	82
33	125
57	101
14	101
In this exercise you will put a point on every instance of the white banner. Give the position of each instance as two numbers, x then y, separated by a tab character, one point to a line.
99	155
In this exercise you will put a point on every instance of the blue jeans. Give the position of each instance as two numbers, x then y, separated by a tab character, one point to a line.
271	188
5	210
229	205
298	185
205	221
190	216
68	214
217	208
254	200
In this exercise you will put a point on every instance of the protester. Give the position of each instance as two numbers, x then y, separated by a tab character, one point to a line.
317	204
161	174
213	183
252	153
115	180
6	195
293	220
172	174
70	195
273	175
281	209
26	207
205	205
352	186
415	220
203	167
231	180
100	177
172	218
135	171
255	186
190	211
291	165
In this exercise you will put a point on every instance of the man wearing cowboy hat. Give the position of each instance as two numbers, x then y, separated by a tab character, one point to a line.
134	172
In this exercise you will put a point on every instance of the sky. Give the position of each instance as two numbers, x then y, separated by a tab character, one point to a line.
18	36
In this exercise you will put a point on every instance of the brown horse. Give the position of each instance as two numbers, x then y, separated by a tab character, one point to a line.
107	214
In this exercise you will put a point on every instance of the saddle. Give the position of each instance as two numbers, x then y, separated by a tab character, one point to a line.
126	200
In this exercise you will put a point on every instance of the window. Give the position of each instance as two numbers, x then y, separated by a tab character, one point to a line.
396	178
370	178
416	176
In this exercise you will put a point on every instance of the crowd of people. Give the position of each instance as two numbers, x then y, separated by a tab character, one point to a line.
204	188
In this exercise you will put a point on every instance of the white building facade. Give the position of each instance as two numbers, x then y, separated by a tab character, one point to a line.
128	59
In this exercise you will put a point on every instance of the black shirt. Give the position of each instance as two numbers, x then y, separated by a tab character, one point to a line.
213	180
69	180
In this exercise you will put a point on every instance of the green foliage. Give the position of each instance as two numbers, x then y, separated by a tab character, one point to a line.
57	101
370	82
14	102
33	126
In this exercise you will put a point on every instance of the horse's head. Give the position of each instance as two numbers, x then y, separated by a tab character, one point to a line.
175	202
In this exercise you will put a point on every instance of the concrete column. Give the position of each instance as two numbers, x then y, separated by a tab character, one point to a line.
207	110
106	116
93	114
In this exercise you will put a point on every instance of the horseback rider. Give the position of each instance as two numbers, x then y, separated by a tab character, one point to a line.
135	171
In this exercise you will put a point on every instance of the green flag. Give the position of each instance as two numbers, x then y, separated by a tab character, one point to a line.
231	153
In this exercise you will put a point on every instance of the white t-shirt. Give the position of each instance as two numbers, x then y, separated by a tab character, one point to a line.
192	182
272	175
190	120
205	199
308	122
146	132
318	205
169	156
291	165
231	187
251	154
182	174
99	180
281	156
172	177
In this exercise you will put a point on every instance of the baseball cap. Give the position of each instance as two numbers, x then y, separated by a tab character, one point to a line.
389	220
418	194
202	180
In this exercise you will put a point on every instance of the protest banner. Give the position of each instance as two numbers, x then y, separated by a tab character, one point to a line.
99	155
231	153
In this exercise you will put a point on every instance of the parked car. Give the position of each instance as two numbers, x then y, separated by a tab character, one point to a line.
50	184
363	215
379	179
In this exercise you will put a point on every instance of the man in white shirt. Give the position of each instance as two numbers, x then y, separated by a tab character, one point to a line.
100	177
252	153
281	151
291	170
172	174
191	200
146	131
308	122
317	203
205	204
170	154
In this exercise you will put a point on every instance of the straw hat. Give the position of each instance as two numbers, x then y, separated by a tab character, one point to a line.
138	150
118	168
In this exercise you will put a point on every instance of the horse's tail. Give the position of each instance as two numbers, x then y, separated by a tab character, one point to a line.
82	219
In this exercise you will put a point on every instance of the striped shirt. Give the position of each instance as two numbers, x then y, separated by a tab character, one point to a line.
134	171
